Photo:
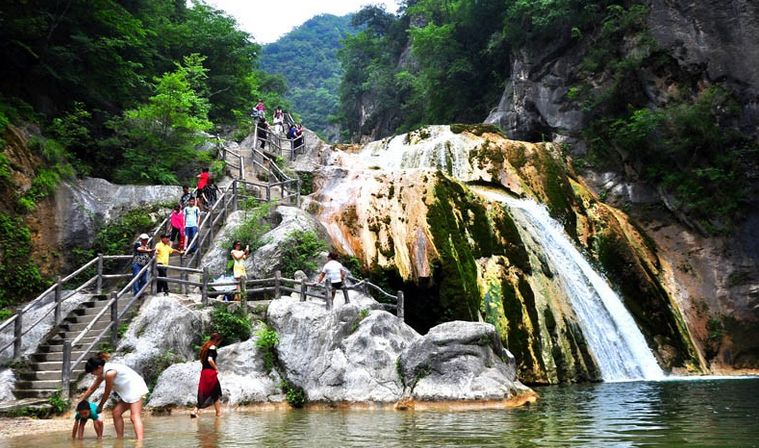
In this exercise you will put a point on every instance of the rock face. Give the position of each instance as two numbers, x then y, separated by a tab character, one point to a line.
266	259
406	205
241	374
83	206
7	382
455	361
343	356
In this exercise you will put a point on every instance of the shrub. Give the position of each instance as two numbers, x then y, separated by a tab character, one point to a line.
295	395
58	404
20	278
233	326
299	250
267	342
5	167
153	370
251	231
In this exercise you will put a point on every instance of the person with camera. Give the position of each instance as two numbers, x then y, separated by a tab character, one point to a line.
238	269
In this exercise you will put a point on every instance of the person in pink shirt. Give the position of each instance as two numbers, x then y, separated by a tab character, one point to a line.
177	226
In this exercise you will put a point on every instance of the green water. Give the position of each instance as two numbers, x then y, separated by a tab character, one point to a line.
704	413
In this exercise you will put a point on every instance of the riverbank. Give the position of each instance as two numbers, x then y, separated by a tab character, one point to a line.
11	427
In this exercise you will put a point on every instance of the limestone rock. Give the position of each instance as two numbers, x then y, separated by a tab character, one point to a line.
7	382
456	361
83	206
241	374
336	356
216	258
268	258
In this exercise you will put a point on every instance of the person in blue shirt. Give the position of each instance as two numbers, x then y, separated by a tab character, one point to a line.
85	411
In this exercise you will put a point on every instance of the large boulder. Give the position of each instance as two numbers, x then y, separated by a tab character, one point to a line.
371	356
456	361
7	384
242	376
83	206
268	258
338	355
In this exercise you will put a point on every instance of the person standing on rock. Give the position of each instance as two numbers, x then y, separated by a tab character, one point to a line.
238	268
163	251
209	388
142	255
129	386
191	221
335	273
176	218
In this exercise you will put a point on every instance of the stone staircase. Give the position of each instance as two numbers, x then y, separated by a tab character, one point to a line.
41	378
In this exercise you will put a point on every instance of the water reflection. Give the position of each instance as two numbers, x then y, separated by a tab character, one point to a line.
661	414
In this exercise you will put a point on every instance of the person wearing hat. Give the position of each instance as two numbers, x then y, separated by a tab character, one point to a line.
142	254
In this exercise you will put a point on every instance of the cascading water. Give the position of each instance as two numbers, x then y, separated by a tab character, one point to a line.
617	344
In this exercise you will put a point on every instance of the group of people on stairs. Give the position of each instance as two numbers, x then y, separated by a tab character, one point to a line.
279	123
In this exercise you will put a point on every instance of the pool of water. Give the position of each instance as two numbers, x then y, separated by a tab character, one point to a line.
703	413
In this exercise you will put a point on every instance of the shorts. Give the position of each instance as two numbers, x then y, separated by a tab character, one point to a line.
338	285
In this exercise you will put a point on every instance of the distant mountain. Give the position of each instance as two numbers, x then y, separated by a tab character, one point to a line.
307	58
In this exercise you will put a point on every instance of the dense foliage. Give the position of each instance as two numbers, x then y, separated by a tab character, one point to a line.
109	79
443	61
307	58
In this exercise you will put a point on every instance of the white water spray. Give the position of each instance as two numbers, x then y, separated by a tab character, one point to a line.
619	348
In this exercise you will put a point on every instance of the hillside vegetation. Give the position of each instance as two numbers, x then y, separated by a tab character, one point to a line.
307	58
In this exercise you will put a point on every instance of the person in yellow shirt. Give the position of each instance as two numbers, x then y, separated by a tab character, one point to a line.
163	251
239	256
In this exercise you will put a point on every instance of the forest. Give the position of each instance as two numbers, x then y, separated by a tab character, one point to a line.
447	61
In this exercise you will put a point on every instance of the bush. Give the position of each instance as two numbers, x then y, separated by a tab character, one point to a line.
267	342
20	278
251	231
299	250
295	395
58	404
153	370
233	326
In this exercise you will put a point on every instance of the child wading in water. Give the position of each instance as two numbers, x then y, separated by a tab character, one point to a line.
85	411
127	383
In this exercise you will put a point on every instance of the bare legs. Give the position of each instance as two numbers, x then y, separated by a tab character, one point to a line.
135	415
216	406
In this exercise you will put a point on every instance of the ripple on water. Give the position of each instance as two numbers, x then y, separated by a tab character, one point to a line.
712	413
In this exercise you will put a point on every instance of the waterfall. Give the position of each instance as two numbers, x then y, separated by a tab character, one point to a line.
618	346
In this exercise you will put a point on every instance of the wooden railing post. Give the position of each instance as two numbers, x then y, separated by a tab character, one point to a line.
243	295
114	320
66	370
235	204
328	294
240	173
303	288
297	192
99	289
153	277
268	192
345	295
204	291
17	330
58	297
400	310
277	284
182	274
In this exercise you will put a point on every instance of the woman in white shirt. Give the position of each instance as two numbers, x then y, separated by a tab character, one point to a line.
334	271
127	383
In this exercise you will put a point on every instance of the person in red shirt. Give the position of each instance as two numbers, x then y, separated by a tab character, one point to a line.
202	182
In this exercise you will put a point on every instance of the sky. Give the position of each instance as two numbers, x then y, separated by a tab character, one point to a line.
268	20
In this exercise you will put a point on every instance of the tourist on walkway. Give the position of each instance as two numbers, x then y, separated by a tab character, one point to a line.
335	273
191	222
184	201
279	120
238	268
86	411
260	110
141	258
298	142
263	132
163	251
129	386
209	388
176	218
210	194
202	182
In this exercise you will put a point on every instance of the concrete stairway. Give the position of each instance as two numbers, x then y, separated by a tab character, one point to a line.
42	377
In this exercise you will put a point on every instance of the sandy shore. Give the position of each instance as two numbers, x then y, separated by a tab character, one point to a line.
19	426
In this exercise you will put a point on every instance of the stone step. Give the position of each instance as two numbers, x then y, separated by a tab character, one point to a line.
39	384
56	345
34	393
78	327
54	356
42	375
